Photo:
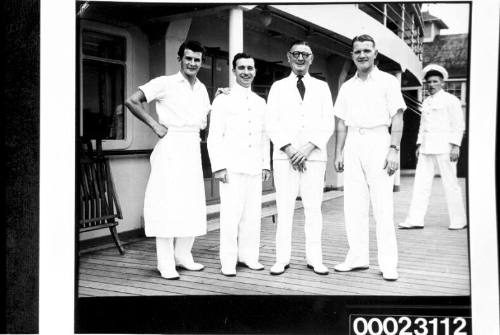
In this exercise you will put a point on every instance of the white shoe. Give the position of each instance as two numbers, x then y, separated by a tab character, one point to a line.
320	269
390	275
345	267
169	274
191	266
252	265
279	268
228	271
406	225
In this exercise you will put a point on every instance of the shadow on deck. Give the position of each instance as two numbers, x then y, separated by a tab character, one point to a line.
432	261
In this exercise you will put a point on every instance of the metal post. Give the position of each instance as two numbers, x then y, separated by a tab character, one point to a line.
397	174
235	37
385	15
412	31
403	22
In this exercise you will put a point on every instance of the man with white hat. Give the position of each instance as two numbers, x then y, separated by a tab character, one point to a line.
439	137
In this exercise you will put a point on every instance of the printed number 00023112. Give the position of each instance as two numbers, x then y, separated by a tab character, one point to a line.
408	325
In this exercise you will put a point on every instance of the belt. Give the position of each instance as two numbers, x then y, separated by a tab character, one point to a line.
183	129
362	131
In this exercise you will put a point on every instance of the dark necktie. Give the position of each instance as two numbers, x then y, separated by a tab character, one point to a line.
301	87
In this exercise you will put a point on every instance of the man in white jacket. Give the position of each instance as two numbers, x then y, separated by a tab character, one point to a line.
300	123
439	137
239	154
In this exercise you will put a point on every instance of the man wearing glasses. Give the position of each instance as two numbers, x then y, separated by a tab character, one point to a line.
174	204
300	123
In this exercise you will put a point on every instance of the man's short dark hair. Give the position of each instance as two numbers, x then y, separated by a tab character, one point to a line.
299	42
194	46
240	55
433	73
363	38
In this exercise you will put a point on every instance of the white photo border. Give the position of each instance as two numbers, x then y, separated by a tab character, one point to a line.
57	165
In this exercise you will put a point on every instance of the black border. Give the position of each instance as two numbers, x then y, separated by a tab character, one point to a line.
254	314
20	174
250	314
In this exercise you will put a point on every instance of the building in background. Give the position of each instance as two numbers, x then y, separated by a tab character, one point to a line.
123	45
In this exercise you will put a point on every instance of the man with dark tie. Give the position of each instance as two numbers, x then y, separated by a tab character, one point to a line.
300	122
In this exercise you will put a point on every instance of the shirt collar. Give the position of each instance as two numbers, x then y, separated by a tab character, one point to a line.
373	73
437	94
295	77
180	78
237	88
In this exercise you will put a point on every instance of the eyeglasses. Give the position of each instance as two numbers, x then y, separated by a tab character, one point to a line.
296	54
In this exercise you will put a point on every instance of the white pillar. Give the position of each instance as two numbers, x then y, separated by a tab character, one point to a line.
235	37
175	35
337	69
397	174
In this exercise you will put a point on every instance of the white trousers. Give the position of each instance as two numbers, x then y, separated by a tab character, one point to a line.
288	183
170	250
366	179
422	187
240	215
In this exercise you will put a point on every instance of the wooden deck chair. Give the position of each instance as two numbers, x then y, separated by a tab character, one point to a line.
99	205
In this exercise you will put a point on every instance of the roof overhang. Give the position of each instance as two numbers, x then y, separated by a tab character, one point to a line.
348	21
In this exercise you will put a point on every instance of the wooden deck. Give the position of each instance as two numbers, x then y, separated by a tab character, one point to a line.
432	261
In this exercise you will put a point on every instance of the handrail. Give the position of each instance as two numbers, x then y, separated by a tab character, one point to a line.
391	7
127	152
410	29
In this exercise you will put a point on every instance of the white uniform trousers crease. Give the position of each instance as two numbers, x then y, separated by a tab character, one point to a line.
310	184
366	179
422	187
240	217
170	250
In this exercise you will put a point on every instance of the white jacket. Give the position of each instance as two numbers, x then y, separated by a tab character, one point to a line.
237	140
293	120
441	123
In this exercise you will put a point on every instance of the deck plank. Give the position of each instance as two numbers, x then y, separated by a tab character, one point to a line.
432	261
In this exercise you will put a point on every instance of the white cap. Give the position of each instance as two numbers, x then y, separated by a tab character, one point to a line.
437	68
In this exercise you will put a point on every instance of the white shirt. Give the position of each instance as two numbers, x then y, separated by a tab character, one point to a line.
441	123
236	140
371	102
177	104
294	121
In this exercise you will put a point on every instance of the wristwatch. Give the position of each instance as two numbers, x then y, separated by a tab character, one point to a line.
395	147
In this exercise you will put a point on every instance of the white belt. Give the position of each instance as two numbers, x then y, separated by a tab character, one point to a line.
362	131
183	129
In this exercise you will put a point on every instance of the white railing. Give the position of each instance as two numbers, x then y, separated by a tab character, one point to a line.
404	20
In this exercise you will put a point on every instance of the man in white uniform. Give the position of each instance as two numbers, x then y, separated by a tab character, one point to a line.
174	203
239	155
366	106
300	123
439	137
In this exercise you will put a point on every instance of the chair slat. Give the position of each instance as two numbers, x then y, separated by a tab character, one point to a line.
99	205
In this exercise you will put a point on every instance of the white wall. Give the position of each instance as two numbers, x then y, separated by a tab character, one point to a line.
130	173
